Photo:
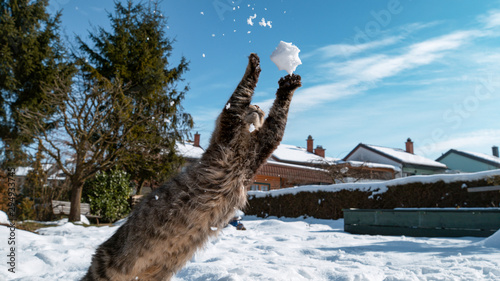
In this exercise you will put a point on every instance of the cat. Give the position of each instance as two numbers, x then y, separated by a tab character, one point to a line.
170	224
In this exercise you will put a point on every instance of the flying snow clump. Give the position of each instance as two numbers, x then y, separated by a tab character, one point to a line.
265	23
286	57
250	19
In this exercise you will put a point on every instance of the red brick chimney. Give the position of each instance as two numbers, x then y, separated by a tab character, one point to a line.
320	151
196	140
409	146
310	144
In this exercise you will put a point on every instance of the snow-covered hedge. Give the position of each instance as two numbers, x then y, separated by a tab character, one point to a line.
418	191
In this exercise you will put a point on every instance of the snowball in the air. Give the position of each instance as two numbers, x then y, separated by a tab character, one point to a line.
286	57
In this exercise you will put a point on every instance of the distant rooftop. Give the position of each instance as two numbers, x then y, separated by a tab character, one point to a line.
405	157
480	156
189	150
296	154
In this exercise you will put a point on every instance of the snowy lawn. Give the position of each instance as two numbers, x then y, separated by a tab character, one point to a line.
272	249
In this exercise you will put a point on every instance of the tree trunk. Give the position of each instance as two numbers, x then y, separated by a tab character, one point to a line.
139	186
76	198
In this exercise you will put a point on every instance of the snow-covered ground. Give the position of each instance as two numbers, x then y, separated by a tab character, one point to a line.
272	249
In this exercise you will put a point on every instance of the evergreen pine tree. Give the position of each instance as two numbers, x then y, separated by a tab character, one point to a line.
31	57
137	51
35	186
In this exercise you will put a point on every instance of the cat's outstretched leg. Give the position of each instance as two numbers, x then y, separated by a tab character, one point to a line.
271	133
230	120
242	95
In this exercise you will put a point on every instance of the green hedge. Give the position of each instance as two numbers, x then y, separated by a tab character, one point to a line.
329	205
108	195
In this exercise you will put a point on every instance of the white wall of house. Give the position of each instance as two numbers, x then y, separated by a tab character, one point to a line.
364	155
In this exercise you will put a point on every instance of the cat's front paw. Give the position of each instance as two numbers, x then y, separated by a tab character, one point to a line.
254	64
290	82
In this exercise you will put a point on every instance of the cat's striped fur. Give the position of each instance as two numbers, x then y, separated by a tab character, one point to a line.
170	224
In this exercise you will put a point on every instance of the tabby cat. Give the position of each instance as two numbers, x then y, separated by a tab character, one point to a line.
171	223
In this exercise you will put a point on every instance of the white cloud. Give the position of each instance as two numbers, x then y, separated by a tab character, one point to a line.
491	20
371	69
347	50
357	75
477	141
305	98
337	50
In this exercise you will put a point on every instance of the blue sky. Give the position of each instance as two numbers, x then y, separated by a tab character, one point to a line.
375	72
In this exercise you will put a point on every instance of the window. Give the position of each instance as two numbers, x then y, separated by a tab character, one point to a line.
260	186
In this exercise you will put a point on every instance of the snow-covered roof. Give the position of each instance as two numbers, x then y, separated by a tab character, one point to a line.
481	156
188	150
295	154
405	157
372	165
23	172
272	162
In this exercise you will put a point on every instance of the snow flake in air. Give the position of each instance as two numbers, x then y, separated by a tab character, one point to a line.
250	19
251	128
265	23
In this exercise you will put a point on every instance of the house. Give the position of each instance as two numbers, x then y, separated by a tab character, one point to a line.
308	156
466	161
288	166
276	175
291	165
54	176
309	165
353	171
405	161
190	150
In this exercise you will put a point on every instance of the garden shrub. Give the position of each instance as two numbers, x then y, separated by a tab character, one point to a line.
108	194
